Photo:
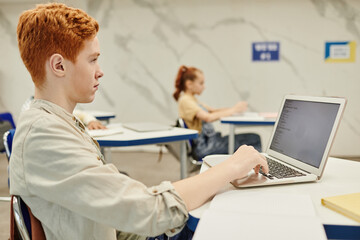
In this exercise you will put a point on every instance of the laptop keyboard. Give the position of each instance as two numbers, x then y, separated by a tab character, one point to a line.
279	170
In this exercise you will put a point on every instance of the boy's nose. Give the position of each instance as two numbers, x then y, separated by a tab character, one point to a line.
99	74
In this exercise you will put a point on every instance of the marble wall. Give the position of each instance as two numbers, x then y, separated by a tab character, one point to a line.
143	42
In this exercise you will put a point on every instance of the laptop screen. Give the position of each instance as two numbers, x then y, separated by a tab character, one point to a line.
304	129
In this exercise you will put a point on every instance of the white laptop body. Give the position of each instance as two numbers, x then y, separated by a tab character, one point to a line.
302	138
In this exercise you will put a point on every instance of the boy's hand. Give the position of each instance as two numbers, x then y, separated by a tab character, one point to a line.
245	159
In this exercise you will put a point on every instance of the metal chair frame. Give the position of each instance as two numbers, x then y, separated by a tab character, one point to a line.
189	145
7	144
18	209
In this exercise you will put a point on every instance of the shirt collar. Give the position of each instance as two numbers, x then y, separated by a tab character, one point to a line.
57	110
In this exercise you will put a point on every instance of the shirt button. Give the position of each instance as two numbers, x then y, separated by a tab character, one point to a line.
98	158
155	191
172	230
73	118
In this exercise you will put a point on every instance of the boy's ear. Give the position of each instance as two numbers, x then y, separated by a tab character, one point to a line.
56	62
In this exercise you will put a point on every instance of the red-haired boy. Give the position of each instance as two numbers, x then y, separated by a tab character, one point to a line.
57	168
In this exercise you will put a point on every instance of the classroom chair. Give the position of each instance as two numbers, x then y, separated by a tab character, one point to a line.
8	139
174	149
6	116
189	145
6	123
23	224
18	226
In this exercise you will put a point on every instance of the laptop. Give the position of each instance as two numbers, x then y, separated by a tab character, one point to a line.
300	143
146	126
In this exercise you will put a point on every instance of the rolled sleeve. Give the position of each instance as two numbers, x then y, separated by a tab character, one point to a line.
175	205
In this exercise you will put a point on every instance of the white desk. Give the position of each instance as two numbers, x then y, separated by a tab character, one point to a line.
340	177
133	138
247	120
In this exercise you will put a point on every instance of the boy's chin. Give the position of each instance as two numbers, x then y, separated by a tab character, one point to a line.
87	100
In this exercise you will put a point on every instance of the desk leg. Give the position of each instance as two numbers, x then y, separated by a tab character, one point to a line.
231	138
183	160
107	154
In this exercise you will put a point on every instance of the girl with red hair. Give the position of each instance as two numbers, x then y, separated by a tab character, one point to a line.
190	81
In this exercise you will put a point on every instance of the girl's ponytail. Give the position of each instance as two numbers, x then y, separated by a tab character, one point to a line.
184	73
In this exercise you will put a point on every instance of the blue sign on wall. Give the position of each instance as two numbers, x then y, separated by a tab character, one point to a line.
266	51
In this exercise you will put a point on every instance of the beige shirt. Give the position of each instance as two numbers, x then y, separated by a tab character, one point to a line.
188	108
81	115
58	170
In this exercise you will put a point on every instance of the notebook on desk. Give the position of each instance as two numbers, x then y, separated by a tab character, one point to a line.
104	132
146	126
300	143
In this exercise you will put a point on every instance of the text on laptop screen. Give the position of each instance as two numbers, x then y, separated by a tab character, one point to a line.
303	130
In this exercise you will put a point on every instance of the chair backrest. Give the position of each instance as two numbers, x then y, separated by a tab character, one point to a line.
23	224
181	123
189	145
20	224
8	140
6	123
6	116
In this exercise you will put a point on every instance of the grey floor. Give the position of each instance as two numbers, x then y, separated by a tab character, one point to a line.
140	165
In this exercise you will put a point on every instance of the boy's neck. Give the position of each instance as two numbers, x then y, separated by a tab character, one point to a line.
55	98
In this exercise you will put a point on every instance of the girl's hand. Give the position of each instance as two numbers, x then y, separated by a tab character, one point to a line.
240	107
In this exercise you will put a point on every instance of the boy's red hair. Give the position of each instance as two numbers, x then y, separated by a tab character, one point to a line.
52	28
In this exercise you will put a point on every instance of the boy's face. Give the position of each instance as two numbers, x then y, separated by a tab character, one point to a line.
83	80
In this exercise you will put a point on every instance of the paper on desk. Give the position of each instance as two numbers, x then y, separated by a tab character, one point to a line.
243	215
216	225
264	203
105	132
249	116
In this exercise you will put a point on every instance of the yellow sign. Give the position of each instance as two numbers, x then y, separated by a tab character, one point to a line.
336	52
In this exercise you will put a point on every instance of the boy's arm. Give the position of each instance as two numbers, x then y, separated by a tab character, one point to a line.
63	167
197	190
